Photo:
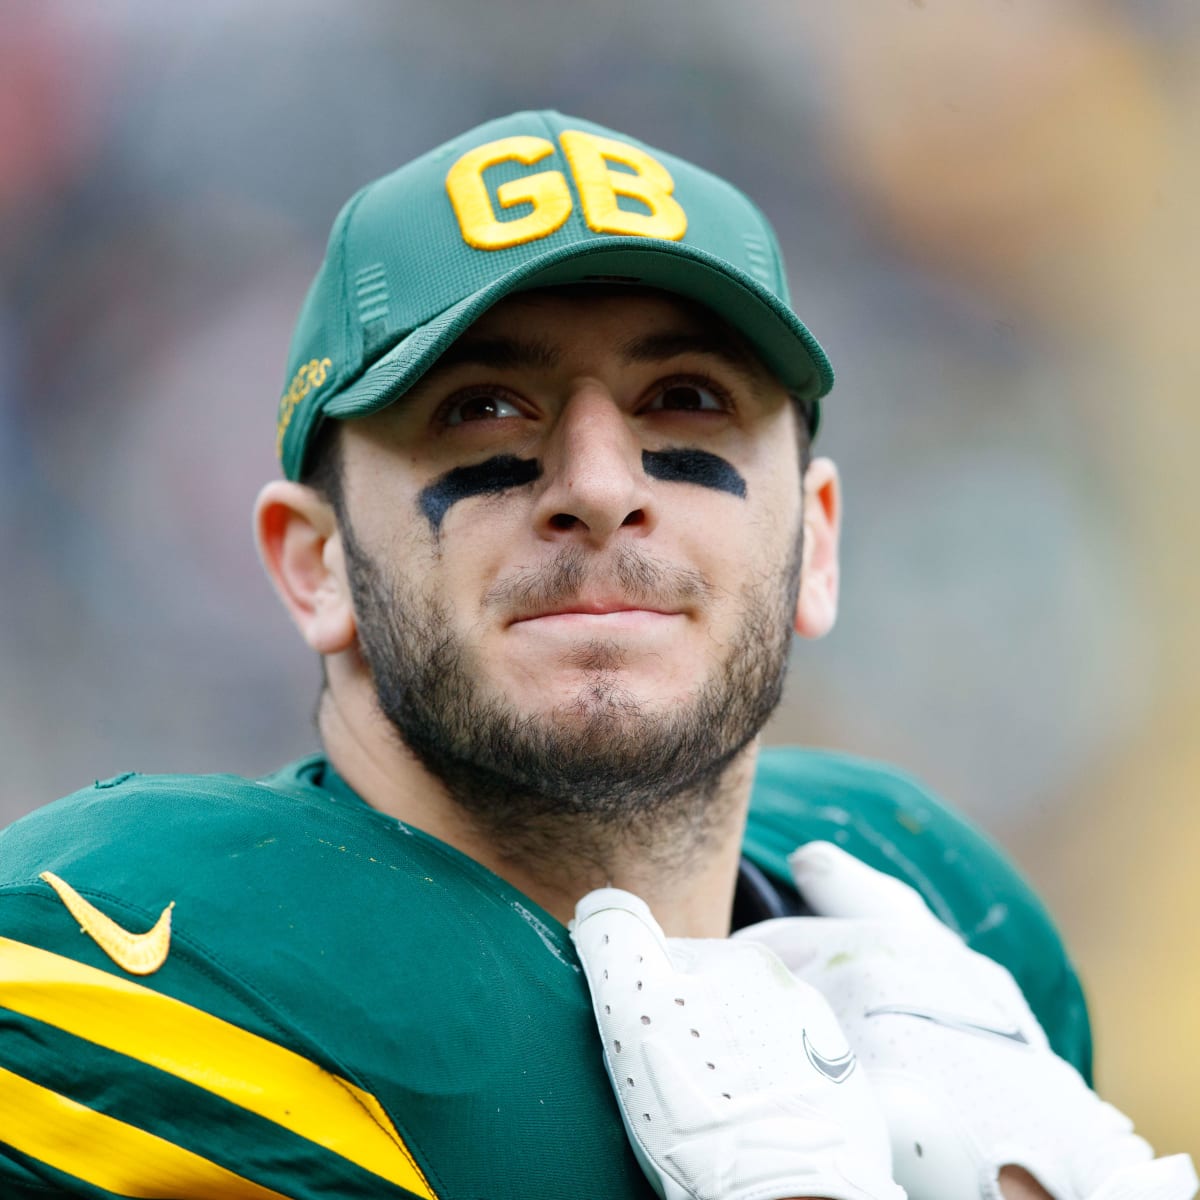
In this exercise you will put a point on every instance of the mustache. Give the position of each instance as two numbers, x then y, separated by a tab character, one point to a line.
635	575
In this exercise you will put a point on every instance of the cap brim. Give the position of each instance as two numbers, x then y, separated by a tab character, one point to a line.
785	346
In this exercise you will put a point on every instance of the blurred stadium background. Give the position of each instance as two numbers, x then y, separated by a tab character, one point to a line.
989	212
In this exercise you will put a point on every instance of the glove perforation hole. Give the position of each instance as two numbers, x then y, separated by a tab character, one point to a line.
645	1020
711	1066
694	1032
639	985
629	1080
617	1046
608	1010
679	1001
646	1115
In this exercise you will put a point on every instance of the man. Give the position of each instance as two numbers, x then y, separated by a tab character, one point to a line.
550	515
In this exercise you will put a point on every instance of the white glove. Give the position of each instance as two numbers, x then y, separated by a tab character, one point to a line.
734	1080
965	1074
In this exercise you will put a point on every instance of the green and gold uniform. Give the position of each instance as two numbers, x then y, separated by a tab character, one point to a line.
340	1005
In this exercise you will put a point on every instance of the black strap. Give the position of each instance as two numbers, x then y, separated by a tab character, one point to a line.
757	897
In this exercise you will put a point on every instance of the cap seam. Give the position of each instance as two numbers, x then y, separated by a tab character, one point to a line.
576	220
352	208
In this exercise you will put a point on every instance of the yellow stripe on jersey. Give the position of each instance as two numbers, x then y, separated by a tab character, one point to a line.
247	1070
107	1153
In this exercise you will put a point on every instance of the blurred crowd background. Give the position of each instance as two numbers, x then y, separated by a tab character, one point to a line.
989	214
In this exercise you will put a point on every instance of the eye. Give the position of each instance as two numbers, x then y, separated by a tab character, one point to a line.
478	406
687	396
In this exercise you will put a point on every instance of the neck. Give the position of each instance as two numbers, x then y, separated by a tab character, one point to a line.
682	861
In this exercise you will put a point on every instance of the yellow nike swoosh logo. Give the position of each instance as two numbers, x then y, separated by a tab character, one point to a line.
137	953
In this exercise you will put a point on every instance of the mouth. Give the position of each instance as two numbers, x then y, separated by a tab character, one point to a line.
597	613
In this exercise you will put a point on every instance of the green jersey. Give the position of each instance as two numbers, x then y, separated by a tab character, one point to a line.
218	987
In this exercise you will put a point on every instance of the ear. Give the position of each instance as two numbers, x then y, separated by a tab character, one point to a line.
301	548
816	607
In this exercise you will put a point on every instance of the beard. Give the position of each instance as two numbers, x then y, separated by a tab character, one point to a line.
603	768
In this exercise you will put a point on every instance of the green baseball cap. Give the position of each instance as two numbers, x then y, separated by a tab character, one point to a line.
532	200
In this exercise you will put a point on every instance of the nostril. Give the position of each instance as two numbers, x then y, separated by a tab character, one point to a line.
563	521
637	517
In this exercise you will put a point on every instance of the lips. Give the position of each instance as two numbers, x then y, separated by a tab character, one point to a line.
612	616
594	607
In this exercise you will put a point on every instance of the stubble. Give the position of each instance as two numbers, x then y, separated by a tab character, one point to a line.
603	770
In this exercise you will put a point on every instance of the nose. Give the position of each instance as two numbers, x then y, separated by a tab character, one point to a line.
592	468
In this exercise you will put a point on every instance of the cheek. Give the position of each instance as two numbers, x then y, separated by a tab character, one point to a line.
783	479
768	457
771	542
774	485
471	550
481	526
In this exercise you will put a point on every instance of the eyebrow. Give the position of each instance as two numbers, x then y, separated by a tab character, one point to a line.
657	347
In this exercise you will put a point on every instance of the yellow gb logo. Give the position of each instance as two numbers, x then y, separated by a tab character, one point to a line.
589	158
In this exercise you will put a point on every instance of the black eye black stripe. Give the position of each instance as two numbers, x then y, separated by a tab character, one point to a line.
506	471
480	479
694	466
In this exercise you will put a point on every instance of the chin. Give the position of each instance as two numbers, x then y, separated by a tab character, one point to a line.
606	714
612	695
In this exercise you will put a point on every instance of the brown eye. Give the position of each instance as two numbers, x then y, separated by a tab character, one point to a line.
686	397
479	408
